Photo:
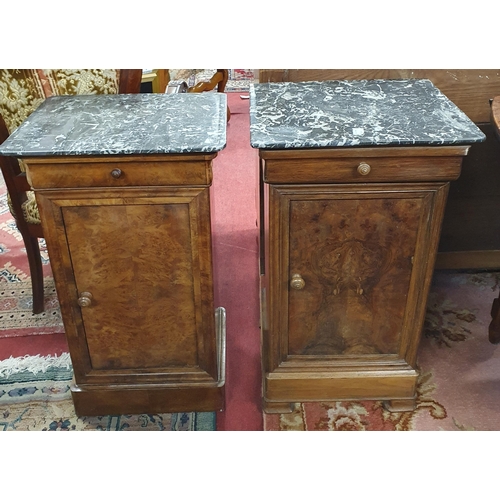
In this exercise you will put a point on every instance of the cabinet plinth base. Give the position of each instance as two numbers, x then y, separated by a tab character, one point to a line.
397	388
131	400
393	406
277	407
91	400
400	405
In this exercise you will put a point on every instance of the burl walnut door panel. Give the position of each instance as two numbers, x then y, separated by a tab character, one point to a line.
151	306
347	259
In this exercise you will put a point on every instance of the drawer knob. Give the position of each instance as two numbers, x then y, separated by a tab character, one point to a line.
297	282
364	168
85	299
116	173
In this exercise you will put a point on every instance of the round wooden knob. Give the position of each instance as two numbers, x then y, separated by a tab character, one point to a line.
85	299
116	173
364	168
297	282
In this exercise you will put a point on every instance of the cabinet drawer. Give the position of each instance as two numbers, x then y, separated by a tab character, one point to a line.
120	172
362	169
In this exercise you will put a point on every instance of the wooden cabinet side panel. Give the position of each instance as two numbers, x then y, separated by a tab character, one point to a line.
423	268
203	279
275	340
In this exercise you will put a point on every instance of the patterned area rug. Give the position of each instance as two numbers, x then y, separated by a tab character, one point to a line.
16	302
35	396
459	382
16	298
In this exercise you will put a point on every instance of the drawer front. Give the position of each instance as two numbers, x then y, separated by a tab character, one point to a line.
121	173
362	169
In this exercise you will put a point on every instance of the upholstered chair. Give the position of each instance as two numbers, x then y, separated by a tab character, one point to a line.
21	92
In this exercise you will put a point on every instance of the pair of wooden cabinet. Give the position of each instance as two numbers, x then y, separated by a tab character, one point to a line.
349	238
354	177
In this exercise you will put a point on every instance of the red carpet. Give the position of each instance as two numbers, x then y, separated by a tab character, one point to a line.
45	335
236	261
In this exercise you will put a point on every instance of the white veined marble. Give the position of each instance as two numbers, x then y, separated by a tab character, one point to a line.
122	124
356	113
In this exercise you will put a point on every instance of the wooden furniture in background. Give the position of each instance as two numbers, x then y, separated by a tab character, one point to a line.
495	115
18	189
158	78
219	79
470	236
494	328
22	203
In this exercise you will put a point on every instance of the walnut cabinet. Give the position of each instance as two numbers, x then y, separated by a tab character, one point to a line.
348	242
129	239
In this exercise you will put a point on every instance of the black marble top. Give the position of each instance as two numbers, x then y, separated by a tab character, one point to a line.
355	114
122	124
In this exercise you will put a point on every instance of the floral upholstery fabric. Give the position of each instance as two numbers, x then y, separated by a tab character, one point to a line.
83	81
30	209
23	90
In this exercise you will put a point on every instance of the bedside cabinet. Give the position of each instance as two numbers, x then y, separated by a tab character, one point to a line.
123	187
354	178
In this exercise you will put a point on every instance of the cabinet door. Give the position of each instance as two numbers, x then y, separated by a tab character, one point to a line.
348	258
146	263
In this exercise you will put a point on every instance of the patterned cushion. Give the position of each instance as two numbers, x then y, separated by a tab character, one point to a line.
23	90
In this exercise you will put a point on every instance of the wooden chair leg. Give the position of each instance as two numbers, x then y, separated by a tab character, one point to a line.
36	271
221	86
494	329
